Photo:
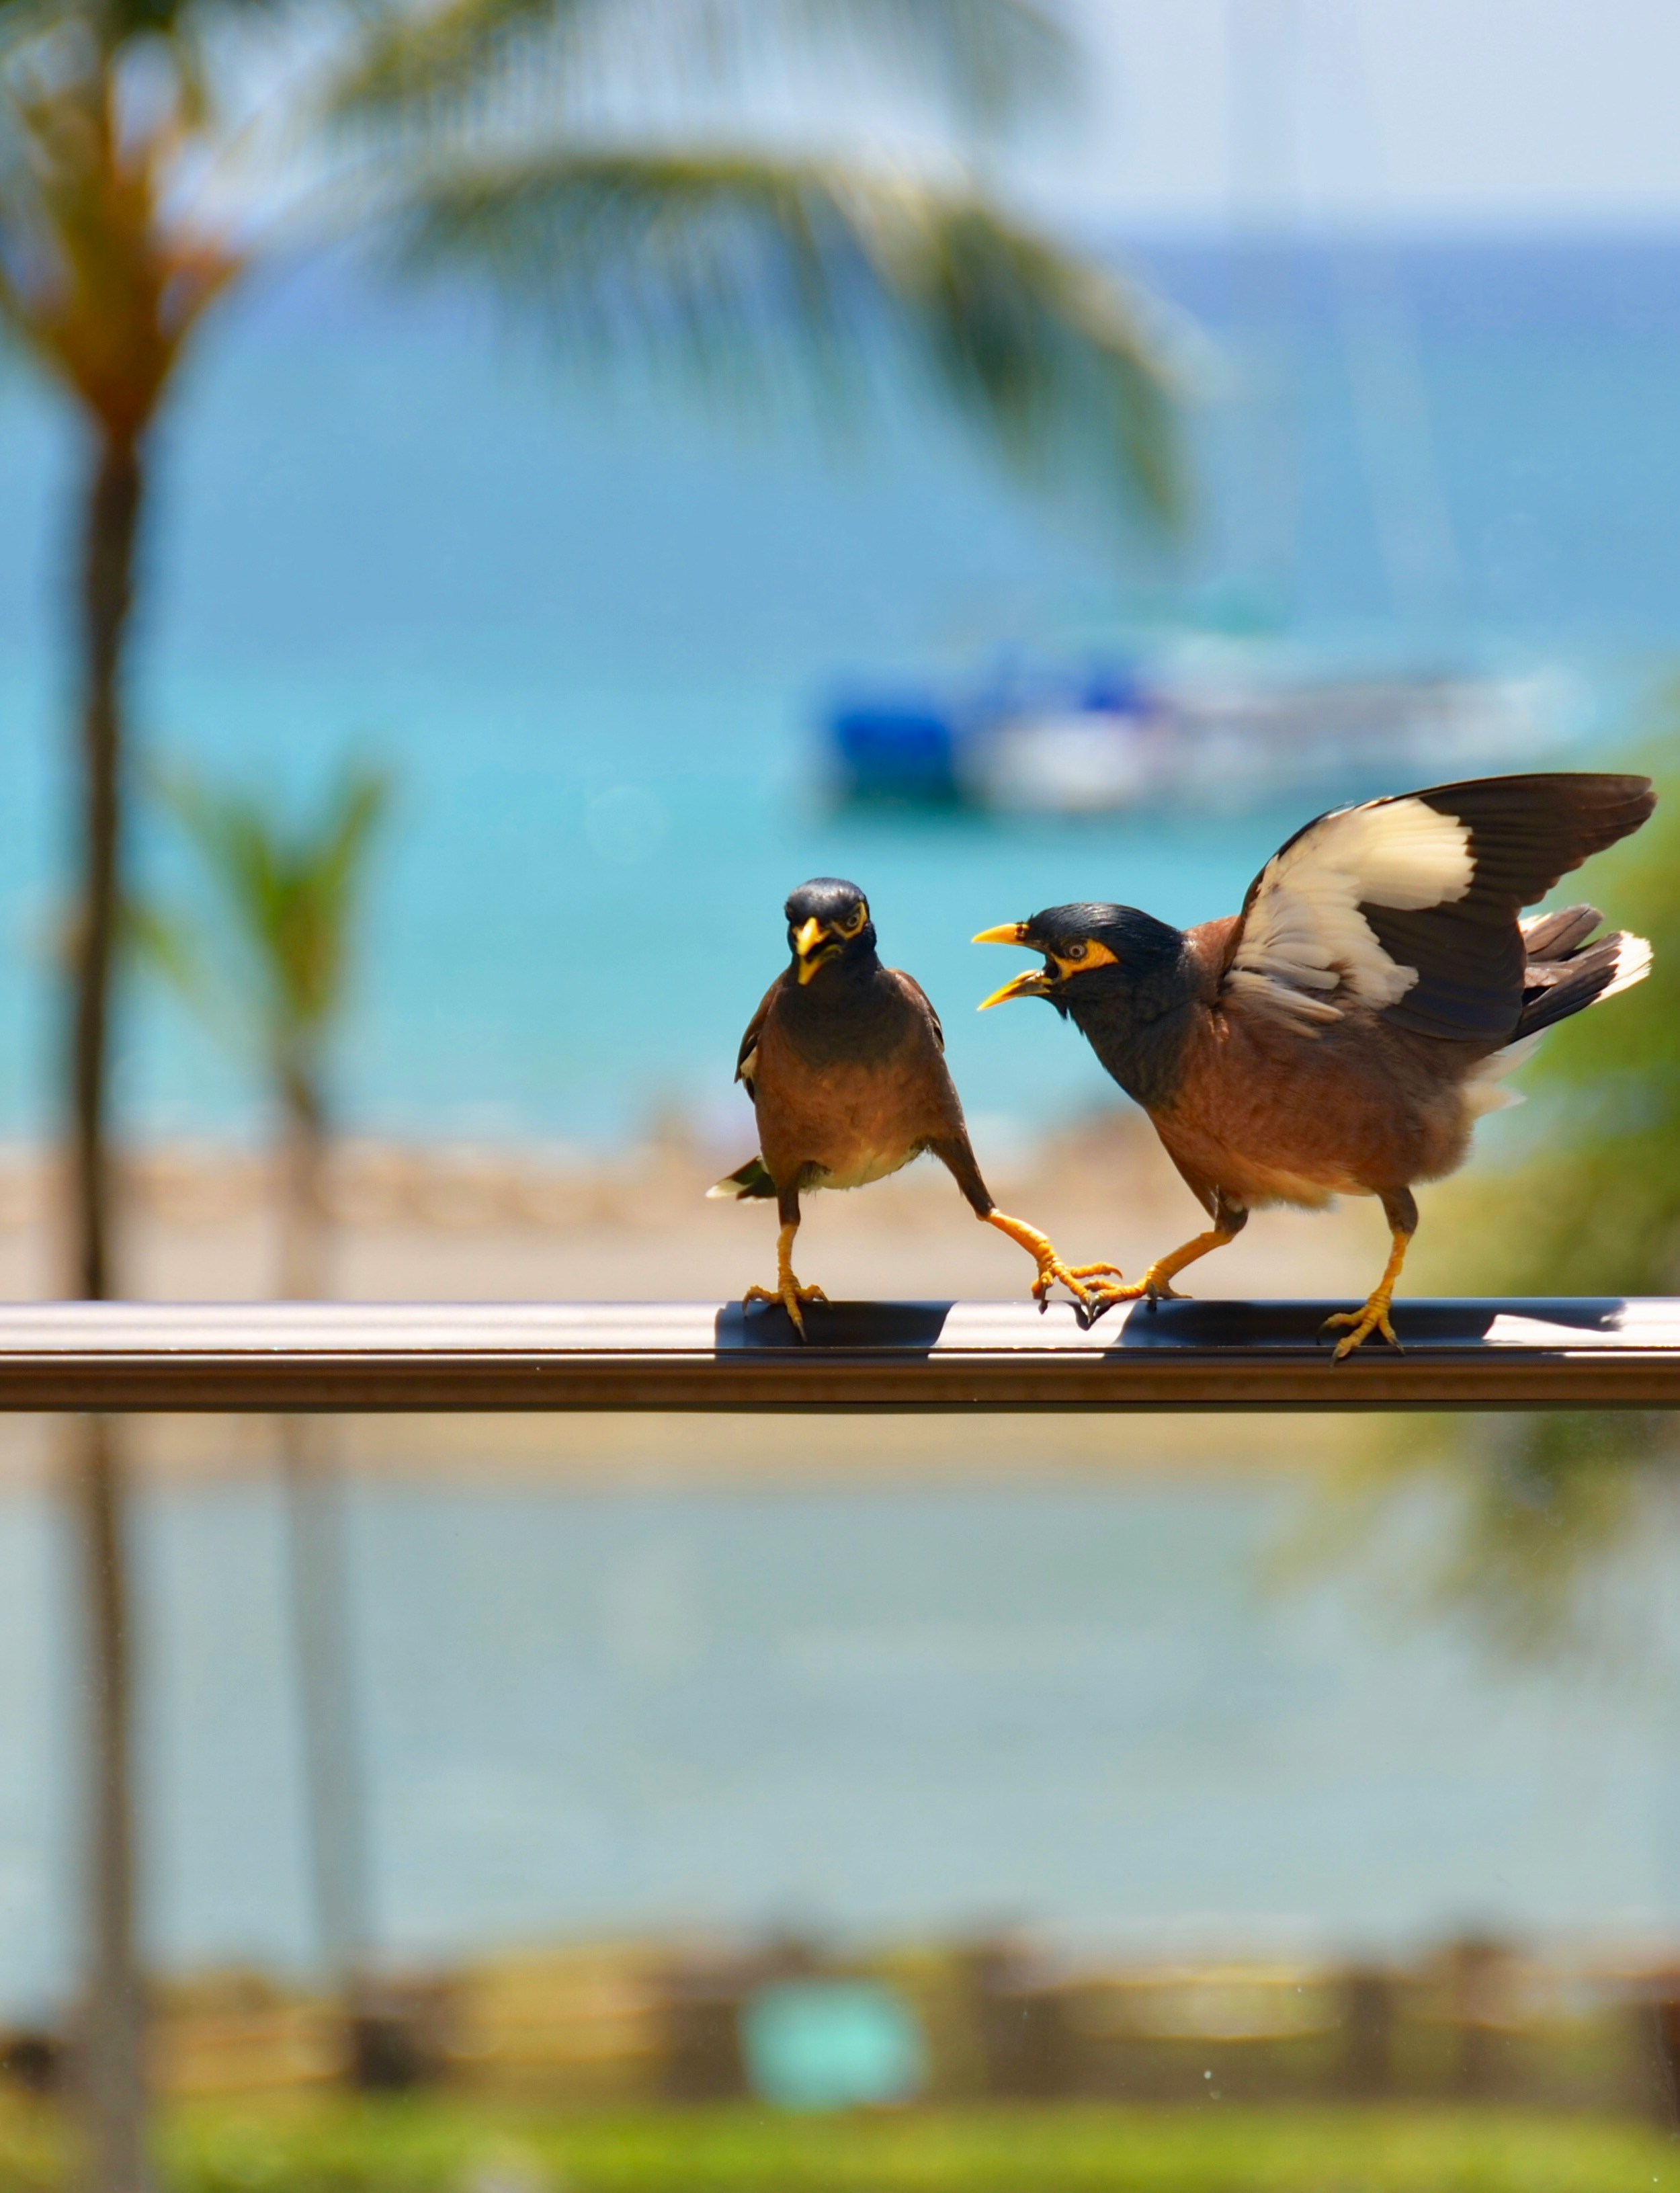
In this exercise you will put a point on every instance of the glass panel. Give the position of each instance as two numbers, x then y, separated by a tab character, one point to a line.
787	1767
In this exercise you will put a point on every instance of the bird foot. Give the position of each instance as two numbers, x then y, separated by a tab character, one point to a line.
791	1294
1092	1301
1155	1286
1362	1323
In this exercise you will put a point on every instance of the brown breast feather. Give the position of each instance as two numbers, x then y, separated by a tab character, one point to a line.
845	1117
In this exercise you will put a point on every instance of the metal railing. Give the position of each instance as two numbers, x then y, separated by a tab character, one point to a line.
395	1358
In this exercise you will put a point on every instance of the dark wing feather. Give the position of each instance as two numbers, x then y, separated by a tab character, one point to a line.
1526	834
1407	907
919	998
749	1042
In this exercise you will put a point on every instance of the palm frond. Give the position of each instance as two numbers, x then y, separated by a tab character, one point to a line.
731	259
97	277
987	58
288	897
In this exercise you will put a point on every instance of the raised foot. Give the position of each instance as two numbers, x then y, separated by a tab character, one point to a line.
1155	1286
1362	1324
791	1294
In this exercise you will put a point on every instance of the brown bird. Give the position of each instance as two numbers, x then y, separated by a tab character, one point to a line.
1342	1035
844	1061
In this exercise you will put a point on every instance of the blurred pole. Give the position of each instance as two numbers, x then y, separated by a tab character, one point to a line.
1262	38
110	2056
1380	335
320	1590
320	1605
1367	2020
112	2087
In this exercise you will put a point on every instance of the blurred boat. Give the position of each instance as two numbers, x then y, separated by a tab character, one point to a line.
1118	736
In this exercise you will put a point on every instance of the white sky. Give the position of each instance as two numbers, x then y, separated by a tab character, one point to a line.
1463	113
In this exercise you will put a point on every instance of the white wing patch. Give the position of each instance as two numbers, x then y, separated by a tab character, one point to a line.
1306	951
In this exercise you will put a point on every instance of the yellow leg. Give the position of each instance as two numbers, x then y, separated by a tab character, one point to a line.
787	1292
1157	1283
1373	1318
1051	1267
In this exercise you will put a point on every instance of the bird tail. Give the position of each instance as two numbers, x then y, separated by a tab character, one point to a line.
1565	973
753	1179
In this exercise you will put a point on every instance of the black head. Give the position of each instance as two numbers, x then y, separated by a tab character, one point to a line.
1094	955
828	922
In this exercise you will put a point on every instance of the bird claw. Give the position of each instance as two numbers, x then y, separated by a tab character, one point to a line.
1362	1323
791	1294
1090	1301
1152	1288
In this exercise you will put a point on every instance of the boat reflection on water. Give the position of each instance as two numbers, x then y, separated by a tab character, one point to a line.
1232	732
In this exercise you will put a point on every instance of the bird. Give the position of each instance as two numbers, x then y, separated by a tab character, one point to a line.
1344	1031
844	1061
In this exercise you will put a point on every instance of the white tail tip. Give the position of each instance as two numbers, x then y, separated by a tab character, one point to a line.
1633	964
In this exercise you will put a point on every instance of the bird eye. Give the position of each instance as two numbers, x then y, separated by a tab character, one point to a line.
1075	952
855	919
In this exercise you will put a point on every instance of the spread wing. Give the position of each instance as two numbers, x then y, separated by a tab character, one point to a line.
919	998
746	1058
1407	907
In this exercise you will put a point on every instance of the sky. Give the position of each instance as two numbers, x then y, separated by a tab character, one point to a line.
1417	113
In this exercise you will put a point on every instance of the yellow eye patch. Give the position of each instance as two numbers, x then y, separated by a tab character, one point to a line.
854	921
1079	958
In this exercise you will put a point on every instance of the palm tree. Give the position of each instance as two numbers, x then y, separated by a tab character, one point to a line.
286	900
152	150
286	907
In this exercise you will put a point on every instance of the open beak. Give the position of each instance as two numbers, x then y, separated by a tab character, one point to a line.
806	944
1033	984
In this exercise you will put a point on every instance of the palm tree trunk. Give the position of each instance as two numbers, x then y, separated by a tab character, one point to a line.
320	1590
110	523
113	2080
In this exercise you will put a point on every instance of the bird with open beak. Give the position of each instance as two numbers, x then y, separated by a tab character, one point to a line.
1343	1033
844	1061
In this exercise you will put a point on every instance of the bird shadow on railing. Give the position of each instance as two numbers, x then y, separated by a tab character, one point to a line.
1424	1324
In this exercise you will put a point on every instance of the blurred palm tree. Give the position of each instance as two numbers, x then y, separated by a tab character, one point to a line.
626	167
275	989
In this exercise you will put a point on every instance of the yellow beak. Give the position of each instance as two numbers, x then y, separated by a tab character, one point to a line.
805	944
1032	984
1006	932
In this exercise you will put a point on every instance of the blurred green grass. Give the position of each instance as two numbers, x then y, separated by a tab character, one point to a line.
435	2146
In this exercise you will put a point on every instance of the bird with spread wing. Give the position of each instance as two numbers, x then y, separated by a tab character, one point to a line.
1342	1033
844	1061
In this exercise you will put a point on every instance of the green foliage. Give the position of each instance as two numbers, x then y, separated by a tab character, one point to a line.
287	898
436	2146
1547	1512
1067	2149
1596	1210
